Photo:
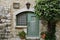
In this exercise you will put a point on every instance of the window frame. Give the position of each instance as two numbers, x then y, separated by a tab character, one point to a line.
19	16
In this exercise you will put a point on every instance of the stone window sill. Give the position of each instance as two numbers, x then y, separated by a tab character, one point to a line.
21	26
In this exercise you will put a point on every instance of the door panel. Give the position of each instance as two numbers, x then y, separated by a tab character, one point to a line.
33	26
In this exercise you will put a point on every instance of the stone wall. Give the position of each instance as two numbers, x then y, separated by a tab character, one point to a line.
58	30
8	4
5	24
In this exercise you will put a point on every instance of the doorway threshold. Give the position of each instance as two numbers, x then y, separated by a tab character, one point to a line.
32	37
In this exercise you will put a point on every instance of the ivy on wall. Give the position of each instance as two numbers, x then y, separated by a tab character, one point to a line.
49	10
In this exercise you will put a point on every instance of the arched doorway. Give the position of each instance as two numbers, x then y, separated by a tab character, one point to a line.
30	20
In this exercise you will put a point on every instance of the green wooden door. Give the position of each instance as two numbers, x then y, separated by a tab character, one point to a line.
33	25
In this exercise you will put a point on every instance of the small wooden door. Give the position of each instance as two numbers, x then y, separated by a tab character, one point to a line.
33	25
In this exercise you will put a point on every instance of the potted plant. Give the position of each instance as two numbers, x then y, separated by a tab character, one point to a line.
43	35
22	34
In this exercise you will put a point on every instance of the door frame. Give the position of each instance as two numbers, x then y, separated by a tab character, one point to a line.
14	20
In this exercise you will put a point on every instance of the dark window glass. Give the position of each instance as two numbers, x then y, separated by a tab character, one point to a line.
21	19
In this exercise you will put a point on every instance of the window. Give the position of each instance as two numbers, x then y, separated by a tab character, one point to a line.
16	5
21	19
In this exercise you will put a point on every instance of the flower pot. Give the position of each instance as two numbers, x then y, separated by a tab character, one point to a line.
22	37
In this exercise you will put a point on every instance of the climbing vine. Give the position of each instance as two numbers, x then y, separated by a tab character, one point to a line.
49	10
